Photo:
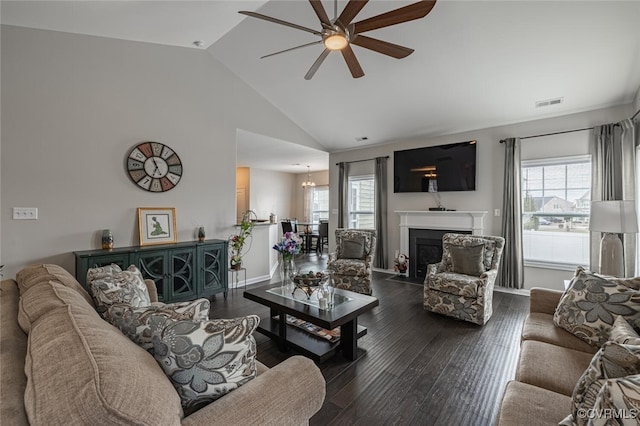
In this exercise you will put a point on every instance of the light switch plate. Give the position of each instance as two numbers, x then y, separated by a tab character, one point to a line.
25	213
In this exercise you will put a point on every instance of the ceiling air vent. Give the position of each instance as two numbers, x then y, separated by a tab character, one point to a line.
549	102
362	138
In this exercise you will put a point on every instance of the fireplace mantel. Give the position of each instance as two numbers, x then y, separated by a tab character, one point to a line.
450	220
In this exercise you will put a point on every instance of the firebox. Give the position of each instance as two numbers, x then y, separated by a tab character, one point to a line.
425	247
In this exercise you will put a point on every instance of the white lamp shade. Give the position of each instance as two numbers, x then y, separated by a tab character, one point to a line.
616	216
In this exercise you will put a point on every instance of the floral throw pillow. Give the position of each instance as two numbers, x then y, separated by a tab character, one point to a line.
207	359
110	285
612	361
590	305
139	324
622	332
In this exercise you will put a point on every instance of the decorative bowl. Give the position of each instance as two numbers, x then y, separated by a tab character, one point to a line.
308	282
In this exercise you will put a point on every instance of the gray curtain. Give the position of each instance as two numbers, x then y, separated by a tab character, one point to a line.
512	271
613	177
343	194
380	178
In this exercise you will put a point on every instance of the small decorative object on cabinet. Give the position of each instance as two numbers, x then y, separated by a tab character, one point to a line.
154	166
182	271
201	234
238	242
157	225
107	239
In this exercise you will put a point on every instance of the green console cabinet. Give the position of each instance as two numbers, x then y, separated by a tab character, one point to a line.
182	271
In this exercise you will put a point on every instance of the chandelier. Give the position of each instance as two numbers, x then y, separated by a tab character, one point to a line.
308	182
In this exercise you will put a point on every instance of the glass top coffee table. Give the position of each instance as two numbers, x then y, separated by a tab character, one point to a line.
344	314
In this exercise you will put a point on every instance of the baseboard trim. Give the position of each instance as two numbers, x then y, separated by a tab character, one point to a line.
520	291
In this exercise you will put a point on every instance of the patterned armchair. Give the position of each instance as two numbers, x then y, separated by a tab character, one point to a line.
352	261
461	285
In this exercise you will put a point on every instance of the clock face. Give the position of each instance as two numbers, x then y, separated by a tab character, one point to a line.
154	166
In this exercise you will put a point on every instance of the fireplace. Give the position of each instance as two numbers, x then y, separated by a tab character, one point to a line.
425	247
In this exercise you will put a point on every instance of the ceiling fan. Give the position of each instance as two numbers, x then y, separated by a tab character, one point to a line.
340	33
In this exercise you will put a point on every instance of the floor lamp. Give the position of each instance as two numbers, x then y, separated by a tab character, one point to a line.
613	218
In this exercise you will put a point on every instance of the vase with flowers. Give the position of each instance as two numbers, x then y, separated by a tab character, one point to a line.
288	247
238	242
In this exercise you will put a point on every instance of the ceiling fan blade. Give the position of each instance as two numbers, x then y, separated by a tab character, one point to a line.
352	62
404	14
320	12
279	21
351	10
384	47
316	64
291	48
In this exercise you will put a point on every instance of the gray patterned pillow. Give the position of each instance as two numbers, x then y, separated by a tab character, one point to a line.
468	260
588	307
207	359
622	332
110	285
353	247
612	361
139	324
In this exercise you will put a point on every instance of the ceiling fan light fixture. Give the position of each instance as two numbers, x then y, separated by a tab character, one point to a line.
335	41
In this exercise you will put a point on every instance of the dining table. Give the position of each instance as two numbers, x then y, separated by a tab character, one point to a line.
306	231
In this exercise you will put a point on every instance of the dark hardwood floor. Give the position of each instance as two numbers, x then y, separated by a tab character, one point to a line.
414	367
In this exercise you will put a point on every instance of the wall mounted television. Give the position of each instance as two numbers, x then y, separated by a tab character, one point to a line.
438	168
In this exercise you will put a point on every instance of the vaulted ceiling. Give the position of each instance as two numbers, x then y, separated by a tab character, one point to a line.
476	64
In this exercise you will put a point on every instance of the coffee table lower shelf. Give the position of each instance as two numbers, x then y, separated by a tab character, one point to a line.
314	347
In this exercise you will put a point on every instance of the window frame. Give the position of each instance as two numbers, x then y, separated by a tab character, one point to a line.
313	210
351	213
544	162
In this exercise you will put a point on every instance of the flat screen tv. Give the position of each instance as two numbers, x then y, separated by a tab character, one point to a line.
438	168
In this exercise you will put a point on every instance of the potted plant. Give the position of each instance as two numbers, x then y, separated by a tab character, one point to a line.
238	242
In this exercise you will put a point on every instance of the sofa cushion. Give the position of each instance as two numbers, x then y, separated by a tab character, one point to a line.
527	405
111	285
44	297
535	368
350	267
81	368
468	260
612	361
138	324
589	306
43	272
13	349
622	332
207	359
457	284
540	327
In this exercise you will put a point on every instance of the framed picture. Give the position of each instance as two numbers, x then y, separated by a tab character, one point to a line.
157	225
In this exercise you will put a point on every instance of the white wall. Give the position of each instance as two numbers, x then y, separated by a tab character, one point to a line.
490	164
272	192
321	178
73	106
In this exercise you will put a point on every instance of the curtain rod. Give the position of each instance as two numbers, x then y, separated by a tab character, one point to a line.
358	161
568	131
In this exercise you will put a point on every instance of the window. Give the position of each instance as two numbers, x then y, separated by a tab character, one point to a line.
320	204
361	202
556	198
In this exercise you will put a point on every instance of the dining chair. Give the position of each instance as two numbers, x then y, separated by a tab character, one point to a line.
323	236
287	226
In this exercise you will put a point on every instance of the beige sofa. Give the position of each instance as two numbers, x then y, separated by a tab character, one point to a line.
550	364
74	368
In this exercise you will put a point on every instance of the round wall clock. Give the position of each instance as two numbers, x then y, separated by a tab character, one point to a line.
154	167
